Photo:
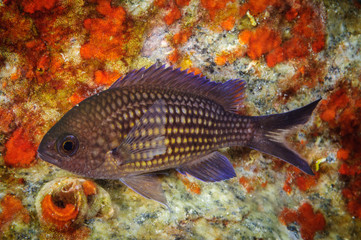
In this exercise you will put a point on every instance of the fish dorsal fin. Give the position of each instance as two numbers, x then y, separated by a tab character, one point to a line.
146	139
213	167
149	186
229	94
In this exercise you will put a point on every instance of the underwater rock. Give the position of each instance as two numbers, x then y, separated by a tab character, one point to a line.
64	203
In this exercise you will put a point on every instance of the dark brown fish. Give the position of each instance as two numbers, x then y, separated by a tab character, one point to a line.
160	118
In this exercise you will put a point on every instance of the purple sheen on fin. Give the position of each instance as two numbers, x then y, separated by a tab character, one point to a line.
269	136
229	94
280	150
149	186
211	168
139	134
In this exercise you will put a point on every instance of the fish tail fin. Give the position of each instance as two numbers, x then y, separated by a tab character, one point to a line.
270	131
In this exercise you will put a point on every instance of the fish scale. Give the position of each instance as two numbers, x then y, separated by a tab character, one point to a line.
194	126
160	118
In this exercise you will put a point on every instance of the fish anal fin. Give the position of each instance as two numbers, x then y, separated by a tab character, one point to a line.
213	167
149	186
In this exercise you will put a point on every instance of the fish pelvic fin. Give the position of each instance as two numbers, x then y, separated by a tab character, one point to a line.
270	131
149	186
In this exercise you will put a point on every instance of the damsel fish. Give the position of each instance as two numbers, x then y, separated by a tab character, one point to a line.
162	118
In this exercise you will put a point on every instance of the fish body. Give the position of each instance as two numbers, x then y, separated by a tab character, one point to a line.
159	118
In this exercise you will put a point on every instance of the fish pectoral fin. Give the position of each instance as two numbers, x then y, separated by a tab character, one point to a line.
213	167
149	186
147	138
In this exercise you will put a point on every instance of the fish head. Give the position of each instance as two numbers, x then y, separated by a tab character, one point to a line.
67	144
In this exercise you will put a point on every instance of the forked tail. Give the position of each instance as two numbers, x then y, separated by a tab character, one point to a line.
270	130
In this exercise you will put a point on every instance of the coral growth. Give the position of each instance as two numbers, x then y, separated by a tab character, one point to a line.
31	6
37	41
245	182
174	6
89	188
6	119
160	3
260	41
252	183
309	222
182	36
342	112
76	98
352	191
177	40
42	52
60	217
15	28
192	187
82	91
63	204
174	56
269	39
307	34
214	6
302	180
336	103
20	150
11	210
173	15
230	57
108	35
105	78
257	6
182	3
228	23
195	71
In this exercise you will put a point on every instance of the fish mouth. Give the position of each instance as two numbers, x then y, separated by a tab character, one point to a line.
47	157
44	155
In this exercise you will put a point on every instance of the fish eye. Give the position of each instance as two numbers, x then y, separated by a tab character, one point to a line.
68	145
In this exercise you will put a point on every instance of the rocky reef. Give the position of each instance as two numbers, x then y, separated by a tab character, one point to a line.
54	54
